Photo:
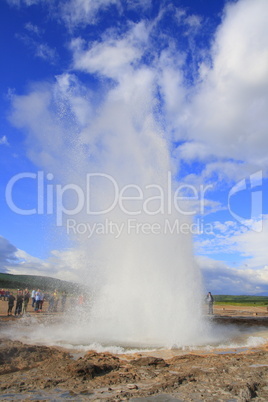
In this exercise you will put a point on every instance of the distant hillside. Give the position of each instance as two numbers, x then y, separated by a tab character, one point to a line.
242	300
8	281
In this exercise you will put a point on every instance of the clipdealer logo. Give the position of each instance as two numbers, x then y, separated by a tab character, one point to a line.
131	199
253	185
133	226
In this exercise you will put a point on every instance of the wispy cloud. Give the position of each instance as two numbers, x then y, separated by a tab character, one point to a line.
39	49
111	56
232	238
83	12
33	28
45	52
77	12
194	21
3	140
28	3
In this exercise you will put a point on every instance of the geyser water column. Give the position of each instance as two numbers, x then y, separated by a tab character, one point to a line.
147	289
150	293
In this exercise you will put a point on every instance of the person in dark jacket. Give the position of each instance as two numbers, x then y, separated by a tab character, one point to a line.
11	301
19	302
26	298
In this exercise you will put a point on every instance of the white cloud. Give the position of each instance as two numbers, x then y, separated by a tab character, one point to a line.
20	3
39	49
221	279
32	28
171	82
231	240
75	12
139	4
3	140
194	21
253	245
226	238
112	56
49	115
7	252
80	12
43	139
109	59
45	52
60	264
228	112
226	116
83	12
190	151
180	14
67	265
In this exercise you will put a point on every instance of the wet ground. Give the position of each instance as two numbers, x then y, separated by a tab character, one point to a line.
30	372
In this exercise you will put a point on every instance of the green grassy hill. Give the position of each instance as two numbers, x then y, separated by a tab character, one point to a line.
8	281
241	300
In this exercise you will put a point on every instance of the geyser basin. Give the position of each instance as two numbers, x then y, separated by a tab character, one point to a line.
59	331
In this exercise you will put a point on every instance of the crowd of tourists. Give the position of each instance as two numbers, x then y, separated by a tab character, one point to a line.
35	298
56	301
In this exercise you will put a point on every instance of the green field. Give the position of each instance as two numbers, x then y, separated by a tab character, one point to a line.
241	300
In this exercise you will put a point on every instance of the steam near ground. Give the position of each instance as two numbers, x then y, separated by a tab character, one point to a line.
73	331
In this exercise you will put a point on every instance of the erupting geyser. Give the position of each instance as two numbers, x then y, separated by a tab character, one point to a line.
120	206
140	269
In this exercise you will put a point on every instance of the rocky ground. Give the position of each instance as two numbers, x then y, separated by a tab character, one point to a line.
31	372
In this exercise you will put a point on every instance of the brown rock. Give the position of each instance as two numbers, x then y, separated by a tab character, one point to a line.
132	386
149	361
94	364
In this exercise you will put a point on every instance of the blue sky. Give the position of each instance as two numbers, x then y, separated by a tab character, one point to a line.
194	72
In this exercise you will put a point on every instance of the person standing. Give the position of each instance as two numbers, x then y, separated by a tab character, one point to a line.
11	301
37	299
50	303
2	294
210	301
56	300
63	300
33	298
19	302
41	300
26	299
